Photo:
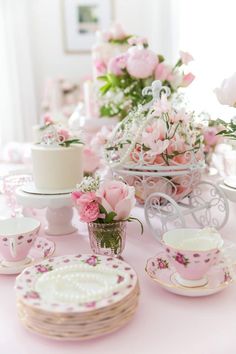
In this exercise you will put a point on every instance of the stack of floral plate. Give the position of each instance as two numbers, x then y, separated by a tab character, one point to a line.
77	297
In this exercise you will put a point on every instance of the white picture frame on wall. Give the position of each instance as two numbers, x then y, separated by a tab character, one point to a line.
82	18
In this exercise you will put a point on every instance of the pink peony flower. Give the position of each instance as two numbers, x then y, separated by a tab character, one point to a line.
63	135
185	57
187	80
141	62
82	199
89	212
163	72
118	197
91	160
117	64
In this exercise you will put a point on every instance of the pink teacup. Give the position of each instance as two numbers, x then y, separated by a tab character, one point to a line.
192	252
17	236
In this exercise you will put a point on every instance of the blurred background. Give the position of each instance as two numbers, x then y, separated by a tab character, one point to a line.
39	56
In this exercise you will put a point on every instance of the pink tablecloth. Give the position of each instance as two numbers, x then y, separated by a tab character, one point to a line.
164	323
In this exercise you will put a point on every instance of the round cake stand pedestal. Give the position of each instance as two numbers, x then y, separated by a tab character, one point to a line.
59	211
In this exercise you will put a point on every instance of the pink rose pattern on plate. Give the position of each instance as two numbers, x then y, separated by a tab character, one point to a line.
93	261
43	268
162	263
32	295
25	282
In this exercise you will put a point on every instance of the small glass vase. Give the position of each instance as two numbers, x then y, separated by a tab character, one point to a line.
107	239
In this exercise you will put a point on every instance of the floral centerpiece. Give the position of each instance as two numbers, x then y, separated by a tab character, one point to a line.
105	207
157	148
108	44
128	73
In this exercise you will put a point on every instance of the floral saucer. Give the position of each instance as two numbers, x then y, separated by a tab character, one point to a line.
159	269
41	250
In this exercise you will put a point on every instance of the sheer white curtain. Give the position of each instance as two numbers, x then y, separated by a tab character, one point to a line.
17	99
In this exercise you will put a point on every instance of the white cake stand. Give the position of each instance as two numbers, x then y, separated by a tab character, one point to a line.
59	211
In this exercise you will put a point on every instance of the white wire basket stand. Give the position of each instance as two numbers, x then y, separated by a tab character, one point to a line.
158	150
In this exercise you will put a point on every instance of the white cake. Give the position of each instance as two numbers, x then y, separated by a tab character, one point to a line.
57	168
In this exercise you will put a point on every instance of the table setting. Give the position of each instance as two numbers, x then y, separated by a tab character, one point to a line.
135	252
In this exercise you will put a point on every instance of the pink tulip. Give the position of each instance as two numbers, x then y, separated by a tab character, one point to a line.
141	62
187	79
118	197
91	160
185	57
117	64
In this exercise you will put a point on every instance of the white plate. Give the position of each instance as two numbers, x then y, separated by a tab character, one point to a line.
77	283
31	189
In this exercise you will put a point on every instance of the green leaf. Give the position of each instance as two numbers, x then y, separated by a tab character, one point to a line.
102	209
105	88
102	78
110	217
67	143
120	41
113	80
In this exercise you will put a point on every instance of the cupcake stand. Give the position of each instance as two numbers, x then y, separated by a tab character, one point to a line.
59	210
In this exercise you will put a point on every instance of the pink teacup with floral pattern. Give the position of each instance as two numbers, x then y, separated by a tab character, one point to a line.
192	252
17	236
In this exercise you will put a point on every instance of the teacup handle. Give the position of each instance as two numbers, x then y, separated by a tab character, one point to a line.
13	247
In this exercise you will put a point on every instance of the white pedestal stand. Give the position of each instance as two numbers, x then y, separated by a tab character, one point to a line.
59	211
